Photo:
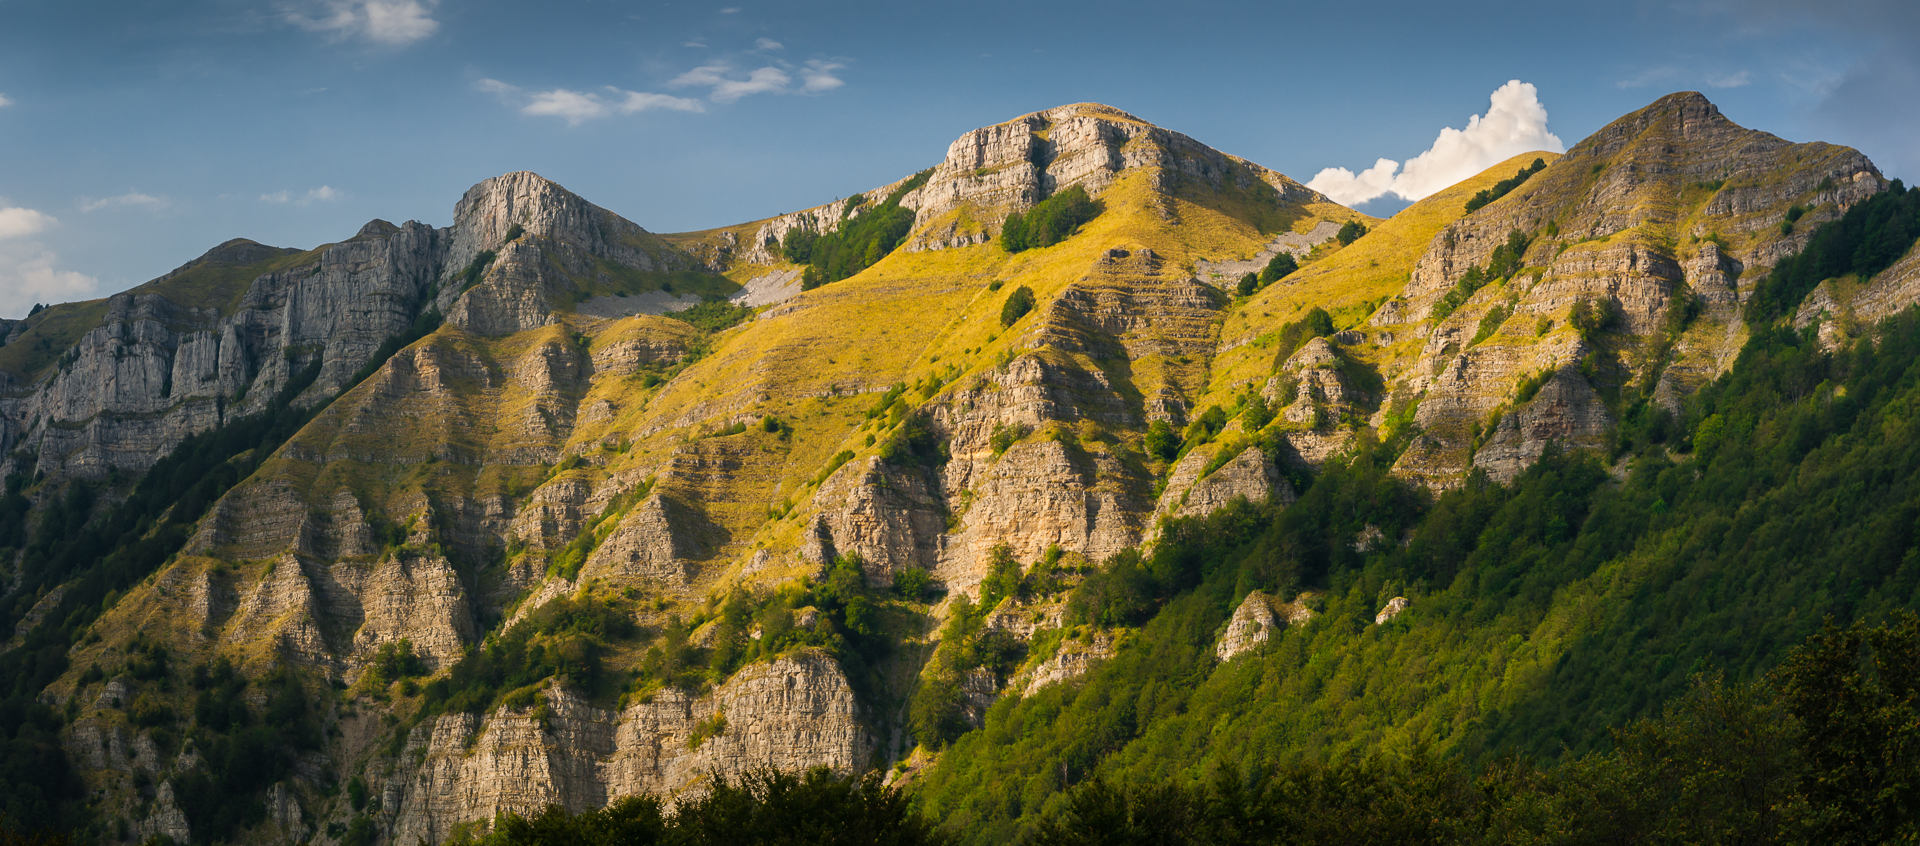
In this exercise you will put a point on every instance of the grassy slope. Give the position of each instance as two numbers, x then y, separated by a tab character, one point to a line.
1349	283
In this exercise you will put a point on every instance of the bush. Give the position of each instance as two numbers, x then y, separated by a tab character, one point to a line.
1161	442
912	583
1248	285
1350	232
1018	304
1006	435
1282	264
1592	316
1051	221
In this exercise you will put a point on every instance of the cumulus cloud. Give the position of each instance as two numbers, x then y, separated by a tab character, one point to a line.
129	200
1515	123
30	274
4	101
728	85
576	107
390	22
28	270
318	195
18	222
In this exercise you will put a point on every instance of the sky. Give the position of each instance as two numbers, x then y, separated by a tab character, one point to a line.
134	136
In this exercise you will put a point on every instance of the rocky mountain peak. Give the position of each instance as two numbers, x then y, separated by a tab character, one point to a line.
534	227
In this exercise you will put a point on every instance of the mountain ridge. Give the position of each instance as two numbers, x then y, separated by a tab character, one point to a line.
520	468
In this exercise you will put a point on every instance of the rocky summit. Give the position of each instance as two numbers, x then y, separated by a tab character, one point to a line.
372	542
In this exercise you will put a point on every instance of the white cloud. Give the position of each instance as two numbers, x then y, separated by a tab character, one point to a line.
577	107
4	101
129	200
1729	80
695	43
19	223
391	22
640	101
1515	123
819	77
572	105
321	194
768	44
729	86
730	10
29	274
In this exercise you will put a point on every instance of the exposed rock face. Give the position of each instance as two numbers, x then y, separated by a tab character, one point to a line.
1675	173
796	712
1250	475
652	545
1251	625
1566	414
1072	660
891	518
1393	608
1256	620
561	240
160	367
1013	165
166	819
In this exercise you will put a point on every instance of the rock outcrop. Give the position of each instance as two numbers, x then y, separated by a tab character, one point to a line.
798	711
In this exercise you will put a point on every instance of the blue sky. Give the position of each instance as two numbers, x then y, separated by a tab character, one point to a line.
136	135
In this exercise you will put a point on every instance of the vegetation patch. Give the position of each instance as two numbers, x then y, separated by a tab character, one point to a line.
857	243
1050	221
1501	188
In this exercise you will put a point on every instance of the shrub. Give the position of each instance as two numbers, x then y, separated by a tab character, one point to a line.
1018	304
1006	435
1282	264
912	583
1161	442
1350	232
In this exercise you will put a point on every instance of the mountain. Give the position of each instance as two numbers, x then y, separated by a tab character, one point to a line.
369	542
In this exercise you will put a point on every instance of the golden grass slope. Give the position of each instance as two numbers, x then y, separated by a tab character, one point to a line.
1350	283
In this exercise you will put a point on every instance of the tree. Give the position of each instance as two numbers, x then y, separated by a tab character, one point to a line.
1018	304
1282	265
1350	232
1248	284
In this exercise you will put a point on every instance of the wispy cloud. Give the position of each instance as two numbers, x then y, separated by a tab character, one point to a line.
768	44
129	200
4	101
28	270
390	22
694	42
577	107
321	194
1668	76
729	85
1515	123
730	10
